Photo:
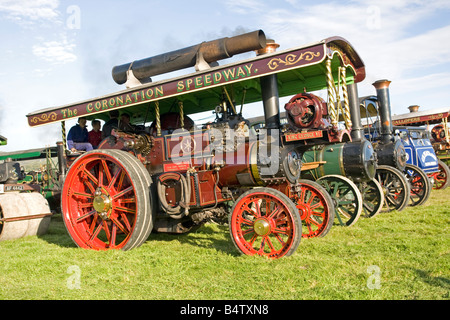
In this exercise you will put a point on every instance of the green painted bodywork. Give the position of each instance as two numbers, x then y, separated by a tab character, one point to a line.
331	154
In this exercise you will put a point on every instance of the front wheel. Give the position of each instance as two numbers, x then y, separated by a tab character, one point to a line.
106	201
265	222
347	199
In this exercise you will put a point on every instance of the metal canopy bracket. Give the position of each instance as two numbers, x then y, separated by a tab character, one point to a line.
132	81
201	64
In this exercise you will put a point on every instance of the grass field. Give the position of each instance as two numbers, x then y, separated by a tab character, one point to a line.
397	256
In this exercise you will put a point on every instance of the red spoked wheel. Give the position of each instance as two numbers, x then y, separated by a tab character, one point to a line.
315	207
442	177
265	222
106	201
420	185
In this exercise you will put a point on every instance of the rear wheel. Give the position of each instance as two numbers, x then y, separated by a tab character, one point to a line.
106	202
419	183
441	178
373	198
395	187
346	197
315	207
265	222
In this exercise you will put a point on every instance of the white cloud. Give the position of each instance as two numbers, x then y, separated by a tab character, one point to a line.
381	33
30	10
244	6
57	52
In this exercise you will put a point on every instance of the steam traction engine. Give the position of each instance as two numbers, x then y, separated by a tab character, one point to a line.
27	198
172	176
346	170
403	183
438	118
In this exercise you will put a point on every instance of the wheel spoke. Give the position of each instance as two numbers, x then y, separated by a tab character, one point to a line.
246	222
123	192
114	178
90	213
113	236
93	223
100	177
281	230
274	212
90	186
90	176
280	240
252	240
121	179
345	212
83	195
105	227
120	226
129	200
248	231
257	208
125	209
126	221
106	171
272	248
85	205
311	198
96	232
250	210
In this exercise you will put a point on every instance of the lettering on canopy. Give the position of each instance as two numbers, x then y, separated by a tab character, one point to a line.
252	68
419	119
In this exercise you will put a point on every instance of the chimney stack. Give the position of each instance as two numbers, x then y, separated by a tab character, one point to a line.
413	108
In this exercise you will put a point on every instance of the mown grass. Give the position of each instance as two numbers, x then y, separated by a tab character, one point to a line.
411	250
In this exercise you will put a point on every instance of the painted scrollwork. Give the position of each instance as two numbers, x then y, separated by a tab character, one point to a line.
44	118
292	59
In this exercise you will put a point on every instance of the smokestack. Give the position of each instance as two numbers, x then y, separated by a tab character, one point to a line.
355	113
384	105
413	108
269	92
61	158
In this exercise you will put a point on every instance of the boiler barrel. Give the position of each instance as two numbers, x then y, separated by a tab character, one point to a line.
183	58
356	160
391	154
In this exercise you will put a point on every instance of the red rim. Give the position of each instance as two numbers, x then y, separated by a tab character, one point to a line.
440	178
98	203
262	224
314	211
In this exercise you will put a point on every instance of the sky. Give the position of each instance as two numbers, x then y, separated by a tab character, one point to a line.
56	52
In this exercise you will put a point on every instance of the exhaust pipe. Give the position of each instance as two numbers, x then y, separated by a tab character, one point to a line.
355	112
269	92
208	52
384	105
61	158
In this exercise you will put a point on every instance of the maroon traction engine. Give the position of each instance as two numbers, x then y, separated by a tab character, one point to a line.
173	176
